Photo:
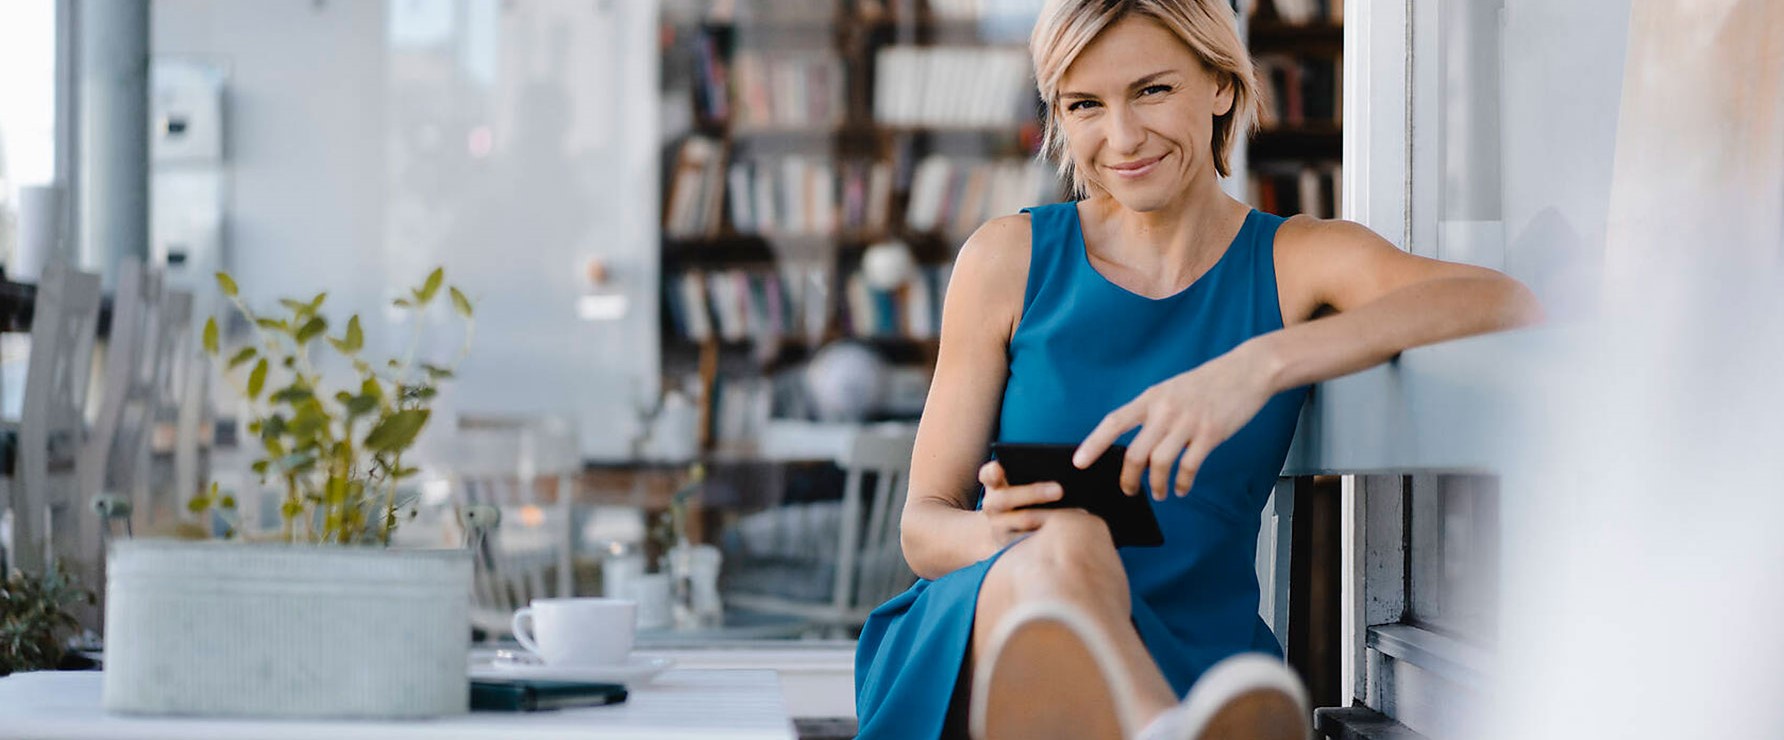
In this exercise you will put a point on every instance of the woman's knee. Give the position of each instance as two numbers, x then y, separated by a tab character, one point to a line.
1071	555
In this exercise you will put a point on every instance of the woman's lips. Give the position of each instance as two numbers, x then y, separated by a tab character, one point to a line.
1137	168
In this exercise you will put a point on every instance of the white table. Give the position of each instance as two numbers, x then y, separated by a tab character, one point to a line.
741	704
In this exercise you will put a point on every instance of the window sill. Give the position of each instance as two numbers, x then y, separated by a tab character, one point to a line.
1358	723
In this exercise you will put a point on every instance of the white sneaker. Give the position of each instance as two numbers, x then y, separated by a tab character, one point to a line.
1051	673
1245	697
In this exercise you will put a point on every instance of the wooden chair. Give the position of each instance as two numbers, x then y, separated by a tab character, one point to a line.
869	560
49	522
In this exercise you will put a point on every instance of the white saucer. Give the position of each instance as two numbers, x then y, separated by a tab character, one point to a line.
638	669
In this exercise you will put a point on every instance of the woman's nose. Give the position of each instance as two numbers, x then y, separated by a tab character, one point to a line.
1125	132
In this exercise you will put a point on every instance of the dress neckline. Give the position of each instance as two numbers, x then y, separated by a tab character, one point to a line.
1083	251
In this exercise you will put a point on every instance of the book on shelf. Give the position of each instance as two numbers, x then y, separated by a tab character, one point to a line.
809	195
747	303
1290	188
910	311
1300	90
696	190
928	86
788	89
956	195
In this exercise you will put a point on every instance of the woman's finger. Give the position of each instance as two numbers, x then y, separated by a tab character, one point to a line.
1139	454
1015	497
1106	432
1191	462
991	475
1163	455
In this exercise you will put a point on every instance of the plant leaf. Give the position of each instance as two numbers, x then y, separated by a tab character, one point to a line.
273	427
355	338
401	303
210	336
432	286
371	388
226	284
277	325
311	329
358	406
435	372
396	431
227	502
240	358
339	345
257	380
316	303
292	394
460	302
198	504
298	308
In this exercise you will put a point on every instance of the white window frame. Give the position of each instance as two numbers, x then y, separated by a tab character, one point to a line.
1413	675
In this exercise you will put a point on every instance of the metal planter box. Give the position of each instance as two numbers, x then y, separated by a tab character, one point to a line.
260	630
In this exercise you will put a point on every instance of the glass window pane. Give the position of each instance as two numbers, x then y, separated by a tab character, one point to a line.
1453	568
27	106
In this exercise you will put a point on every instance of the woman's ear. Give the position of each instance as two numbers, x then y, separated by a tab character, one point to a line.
1223	94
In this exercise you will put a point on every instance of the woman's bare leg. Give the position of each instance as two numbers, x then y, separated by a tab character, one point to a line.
1072	559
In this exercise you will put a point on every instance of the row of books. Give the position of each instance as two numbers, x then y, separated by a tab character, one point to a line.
952	86
912	310
809	195
1312	189
1305	12
769	303
1300	90
746	303
788	90
954	196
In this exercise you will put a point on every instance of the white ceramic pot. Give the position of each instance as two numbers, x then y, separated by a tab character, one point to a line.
228	629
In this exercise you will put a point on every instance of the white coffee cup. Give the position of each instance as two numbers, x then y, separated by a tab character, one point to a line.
582	631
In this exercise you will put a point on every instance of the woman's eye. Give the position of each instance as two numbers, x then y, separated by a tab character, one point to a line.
1154	89
1080	105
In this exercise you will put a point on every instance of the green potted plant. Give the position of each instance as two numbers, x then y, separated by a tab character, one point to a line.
35	623
318	618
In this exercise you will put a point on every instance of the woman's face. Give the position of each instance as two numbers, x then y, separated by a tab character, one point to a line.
1137	108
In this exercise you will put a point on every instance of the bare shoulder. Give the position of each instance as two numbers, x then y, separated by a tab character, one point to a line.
1339	264
990	274
1306	236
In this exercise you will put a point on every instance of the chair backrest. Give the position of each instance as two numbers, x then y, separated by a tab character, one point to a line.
131	320
49	518
509	464
870	563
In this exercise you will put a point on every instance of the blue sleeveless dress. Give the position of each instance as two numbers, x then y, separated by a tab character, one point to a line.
1083	347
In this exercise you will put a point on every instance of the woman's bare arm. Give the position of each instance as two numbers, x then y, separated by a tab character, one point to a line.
941	533
1387	301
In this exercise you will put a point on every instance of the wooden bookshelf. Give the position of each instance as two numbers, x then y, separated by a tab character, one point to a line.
820	129
1293	161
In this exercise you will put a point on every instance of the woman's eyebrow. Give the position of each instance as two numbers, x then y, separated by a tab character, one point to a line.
1142	82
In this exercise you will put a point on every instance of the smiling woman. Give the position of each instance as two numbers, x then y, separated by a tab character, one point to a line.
1154	312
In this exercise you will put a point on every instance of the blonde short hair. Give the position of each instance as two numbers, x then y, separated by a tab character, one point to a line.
1207	27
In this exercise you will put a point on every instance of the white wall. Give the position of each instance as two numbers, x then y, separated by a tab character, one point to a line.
511	143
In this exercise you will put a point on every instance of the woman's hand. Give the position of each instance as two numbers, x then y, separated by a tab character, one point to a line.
1182	420
1003	504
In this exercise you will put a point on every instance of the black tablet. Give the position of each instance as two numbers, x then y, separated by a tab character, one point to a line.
1096	489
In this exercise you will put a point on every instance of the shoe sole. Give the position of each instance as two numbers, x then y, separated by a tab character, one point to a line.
1045	679
1248	697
